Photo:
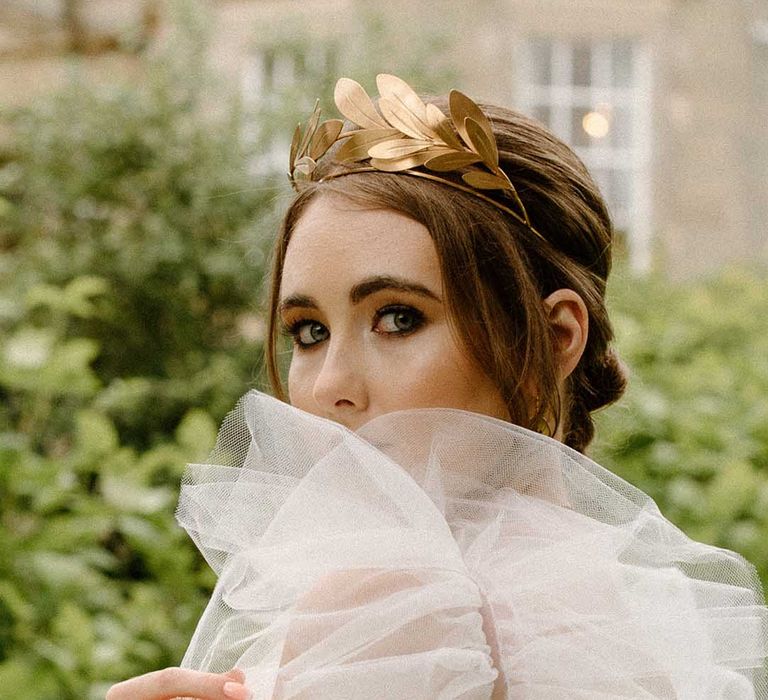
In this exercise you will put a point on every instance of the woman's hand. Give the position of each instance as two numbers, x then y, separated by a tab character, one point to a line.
181	683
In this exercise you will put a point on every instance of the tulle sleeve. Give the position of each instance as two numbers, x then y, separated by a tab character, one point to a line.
443	554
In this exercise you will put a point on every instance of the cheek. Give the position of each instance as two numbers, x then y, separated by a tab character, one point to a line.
436	372
301	378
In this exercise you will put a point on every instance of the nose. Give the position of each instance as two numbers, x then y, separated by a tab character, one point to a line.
340	389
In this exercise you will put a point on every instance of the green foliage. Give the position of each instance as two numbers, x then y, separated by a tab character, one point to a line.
692	430
131	260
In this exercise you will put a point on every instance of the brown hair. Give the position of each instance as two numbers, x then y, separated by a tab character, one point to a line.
496	271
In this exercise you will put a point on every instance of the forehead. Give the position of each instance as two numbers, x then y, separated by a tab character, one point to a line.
337	241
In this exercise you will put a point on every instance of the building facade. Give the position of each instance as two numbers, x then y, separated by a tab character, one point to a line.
665	100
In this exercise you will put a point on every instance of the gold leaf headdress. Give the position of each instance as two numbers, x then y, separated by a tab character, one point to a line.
404	134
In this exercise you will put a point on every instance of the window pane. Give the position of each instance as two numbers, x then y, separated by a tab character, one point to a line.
621	128
541	61
579	136
581	64
622	63
621	189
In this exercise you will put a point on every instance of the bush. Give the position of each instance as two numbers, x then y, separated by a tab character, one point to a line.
131	240
692	430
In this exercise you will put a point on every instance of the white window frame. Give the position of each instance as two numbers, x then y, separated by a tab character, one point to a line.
561	96
260	90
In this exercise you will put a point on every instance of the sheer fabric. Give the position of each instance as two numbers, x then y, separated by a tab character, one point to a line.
443	554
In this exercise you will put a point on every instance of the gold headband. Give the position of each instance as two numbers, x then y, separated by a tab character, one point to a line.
404	134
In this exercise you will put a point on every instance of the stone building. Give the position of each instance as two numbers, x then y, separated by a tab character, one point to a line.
665	100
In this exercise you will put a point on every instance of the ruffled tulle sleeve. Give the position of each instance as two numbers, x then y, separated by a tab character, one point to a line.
443	554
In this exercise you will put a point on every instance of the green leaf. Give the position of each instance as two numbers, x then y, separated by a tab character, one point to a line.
29	348
127	495
732	490
15	602
196	434
96	435
72	629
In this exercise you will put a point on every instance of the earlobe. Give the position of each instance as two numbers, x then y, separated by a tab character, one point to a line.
569	319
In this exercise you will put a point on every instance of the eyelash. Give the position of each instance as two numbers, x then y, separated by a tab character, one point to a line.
418	318
294	328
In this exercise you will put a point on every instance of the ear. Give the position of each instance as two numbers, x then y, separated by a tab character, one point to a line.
570	321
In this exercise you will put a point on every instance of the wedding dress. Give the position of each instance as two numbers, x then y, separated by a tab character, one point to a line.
437	553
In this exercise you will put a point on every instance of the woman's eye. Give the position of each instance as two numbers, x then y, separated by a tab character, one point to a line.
398	319
306	333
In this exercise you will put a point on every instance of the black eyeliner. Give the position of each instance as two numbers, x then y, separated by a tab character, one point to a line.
418	315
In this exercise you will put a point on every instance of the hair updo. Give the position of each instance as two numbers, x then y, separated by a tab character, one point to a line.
496	271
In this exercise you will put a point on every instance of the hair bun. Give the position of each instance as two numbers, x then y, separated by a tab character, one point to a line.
606	379
597	384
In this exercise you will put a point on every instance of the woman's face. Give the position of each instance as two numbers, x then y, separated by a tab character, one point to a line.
362	297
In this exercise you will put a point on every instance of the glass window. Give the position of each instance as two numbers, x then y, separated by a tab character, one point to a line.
621	63
621	189
581	64
591	94
579	125
621	127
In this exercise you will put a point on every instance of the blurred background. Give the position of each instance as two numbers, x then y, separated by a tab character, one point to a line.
143	150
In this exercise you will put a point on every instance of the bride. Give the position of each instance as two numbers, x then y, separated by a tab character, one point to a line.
419	520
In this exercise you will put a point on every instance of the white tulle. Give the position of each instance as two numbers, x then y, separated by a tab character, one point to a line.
443	554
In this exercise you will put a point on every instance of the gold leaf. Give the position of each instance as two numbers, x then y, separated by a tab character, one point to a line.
457	104
357	144
325	137
397	90
406	162
436	151
311	128
407	106
452	160
441	125
485	181
295	146
434	116
400	164
304	168
397	148
400	118
462	108
485	146
354	103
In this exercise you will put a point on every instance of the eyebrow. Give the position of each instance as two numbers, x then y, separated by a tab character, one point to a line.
362	290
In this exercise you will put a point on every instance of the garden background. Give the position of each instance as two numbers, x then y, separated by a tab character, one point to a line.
134	229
